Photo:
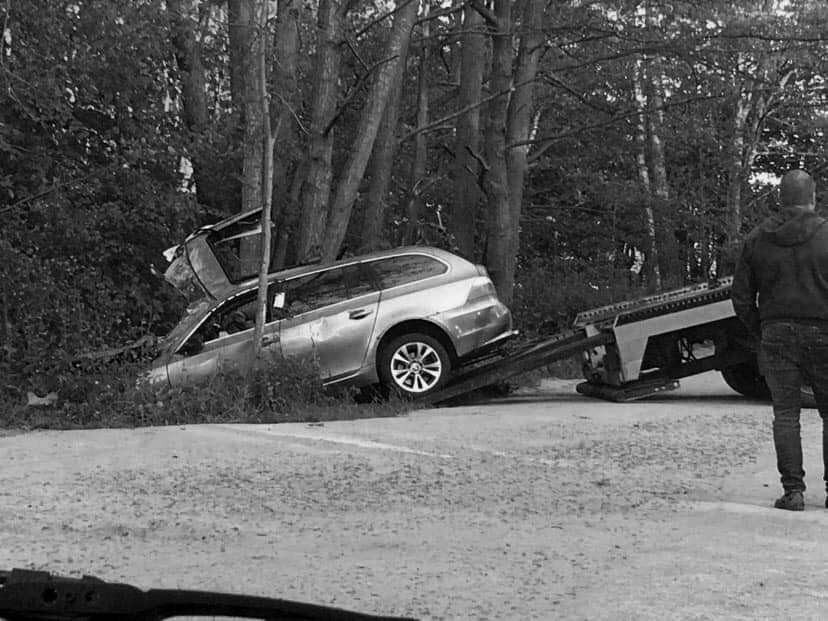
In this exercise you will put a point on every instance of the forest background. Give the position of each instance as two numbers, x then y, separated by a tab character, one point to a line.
584	151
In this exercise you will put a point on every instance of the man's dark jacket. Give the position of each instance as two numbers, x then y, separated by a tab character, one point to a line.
785	261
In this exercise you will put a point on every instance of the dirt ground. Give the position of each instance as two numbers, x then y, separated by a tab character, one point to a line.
541	506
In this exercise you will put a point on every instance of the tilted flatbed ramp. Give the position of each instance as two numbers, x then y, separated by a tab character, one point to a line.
637	348
557	347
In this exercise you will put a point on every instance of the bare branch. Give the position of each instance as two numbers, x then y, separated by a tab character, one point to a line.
548	141
485	13
344	105
440	122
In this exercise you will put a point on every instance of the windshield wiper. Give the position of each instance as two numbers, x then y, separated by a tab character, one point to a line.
39	595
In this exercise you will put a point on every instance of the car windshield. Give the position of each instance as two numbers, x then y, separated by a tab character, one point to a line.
195	314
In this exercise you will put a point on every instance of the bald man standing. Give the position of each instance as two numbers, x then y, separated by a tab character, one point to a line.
784	262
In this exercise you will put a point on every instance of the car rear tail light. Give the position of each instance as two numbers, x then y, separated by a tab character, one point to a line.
482	288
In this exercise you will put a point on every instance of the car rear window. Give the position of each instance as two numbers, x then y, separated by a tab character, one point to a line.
396	271
238	248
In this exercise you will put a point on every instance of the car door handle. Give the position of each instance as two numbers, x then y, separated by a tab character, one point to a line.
360	313
268	340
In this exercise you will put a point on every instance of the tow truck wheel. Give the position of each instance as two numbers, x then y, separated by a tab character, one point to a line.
414	365
745	379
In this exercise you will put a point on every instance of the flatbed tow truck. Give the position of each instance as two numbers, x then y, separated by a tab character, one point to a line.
638	348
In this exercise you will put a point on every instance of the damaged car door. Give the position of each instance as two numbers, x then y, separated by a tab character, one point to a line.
331	315
222	341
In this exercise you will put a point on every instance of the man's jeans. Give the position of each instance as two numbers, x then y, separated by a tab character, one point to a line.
792	354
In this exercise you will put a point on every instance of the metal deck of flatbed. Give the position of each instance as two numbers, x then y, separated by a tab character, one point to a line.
593	328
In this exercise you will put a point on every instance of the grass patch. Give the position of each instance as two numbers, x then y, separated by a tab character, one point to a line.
272	391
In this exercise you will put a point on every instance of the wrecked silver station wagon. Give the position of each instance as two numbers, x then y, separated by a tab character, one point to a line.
403	318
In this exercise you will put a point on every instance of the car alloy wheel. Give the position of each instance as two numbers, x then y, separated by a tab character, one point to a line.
414	365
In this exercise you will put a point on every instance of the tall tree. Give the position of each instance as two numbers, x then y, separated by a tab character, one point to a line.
317	185
184	15
466	195
520	112
285	122
267	141
380	167
414	205
642	144
366	133
500	259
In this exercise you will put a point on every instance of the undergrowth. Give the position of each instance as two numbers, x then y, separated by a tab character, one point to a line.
272	391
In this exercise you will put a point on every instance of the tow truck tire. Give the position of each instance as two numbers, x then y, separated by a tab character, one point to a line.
413	365
745	379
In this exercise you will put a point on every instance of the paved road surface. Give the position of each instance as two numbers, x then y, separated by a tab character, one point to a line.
537	507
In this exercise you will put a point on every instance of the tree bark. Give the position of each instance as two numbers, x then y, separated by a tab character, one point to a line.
644	173
252	145
317	187
499	258
520	115
184	18
467	193
184	15
382	160
348	185
238	30
284	121
414	206
266	181
741	110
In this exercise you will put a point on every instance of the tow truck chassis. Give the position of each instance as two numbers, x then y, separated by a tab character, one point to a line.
638	348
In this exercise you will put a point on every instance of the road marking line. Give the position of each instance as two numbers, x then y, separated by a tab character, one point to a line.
337	439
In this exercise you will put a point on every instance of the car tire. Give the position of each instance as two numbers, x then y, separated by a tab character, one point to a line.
413	365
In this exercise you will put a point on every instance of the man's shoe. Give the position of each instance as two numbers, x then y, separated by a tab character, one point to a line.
791	501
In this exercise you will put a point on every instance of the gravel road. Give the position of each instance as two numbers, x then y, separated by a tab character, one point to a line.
541	506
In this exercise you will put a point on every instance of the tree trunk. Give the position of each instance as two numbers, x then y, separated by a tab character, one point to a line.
238	31
644	174
741	110
188	58
317	187
382	160
520	115
266	181
348	185
284	122
500	259
467	144
252	145
184	18
414	206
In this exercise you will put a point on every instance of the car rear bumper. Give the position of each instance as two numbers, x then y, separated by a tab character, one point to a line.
480	326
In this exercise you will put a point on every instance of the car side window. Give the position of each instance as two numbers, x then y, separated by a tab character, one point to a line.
235	315
308	293
396	271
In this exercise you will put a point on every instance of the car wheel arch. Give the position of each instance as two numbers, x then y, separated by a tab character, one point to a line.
418	326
